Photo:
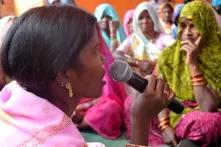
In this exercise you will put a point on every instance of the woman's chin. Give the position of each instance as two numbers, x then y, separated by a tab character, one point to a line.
100	91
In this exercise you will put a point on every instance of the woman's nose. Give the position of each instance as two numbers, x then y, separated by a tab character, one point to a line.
187	31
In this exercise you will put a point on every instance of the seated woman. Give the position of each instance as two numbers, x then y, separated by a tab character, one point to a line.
143	47
166	17
191	67
112	31
45	56
128	22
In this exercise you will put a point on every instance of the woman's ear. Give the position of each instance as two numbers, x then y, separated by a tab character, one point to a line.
66	76
61	78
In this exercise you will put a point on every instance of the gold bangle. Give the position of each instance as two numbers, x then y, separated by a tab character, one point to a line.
163	123
163	119
163	127
199	83
197	75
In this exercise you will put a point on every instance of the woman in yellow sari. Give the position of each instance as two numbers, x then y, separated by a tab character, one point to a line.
191	66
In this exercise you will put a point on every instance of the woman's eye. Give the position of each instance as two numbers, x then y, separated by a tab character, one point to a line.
182	25
141	17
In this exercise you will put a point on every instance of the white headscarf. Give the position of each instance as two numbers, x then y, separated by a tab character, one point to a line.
145	45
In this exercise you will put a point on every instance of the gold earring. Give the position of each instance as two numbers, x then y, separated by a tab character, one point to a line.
62	84
69	88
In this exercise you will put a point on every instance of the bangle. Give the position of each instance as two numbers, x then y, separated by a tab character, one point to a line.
164	123
200	83
197	75
134	145
163	127
163	119
198	79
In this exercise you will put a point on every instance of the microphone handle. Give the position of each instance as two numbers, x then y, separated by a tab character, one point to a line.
176	106
139	83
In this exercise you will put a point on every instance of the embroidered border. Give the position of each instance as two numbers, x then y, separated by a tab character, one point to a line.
40	136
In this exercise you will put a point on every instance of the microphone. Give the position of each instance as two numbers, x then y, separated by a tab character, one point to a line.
121	71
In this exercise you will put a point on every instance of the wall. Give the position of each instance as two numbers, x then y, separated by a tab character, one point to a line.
121	6
23	5
7	8
19	6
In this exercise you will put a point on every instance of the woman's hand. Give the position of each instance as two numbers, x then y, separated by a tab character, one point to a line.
145	106
80	112
113	25
192	50
169	136
148	104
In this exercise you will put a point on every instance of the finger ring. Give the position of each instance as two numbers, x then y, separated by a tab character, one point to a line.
166	93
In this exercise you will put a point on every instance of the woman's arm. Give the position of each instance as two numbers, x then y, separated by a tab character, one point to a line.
114	43
146	106
207	100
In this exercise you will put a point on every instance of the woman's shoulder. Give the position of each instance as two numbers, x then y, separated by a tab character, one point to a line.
43	122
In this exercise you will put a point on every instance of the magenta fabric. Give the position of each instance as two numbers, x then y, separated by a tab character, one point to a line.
27	120
202	127
106	117
128	15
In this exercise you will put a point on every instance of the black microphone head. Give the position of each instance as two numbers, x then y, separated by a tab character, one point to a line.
121	71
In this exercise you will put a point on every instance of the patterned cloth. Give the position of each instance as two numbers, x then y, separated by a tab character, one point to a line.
28	120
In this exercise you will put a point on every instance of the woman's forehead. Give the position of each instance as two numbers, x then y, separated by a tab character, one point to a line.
144	12
186	20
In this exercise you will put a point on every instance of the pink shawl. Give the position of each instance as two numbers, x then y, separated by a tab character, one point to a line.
28	120
128	15
106	117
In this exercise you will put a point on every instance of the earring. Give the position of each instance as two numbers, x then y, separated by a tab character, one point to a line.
69	88
62	84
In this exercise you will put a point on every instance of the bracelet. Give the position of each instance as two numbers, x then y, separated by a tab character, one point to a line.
199	83
163	119
164	123
197	75
134	145
163	127
198	79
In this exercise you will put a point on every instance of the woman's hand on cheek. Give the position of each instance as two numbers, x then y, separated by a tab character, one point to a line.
192	50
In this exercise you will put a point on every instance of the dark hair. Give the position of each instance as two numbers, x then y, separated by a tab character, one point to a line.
44	41
167	4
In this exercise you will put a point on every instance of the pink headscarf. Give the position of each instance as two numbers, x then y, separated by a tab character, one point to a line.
127	17
106	116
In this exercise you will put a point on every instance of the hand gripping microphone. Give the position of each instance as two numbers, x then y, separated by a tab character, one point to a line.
121	71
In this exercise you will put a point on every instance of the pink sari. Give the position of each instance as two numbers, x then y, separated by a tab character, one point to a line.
106	117
28	120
